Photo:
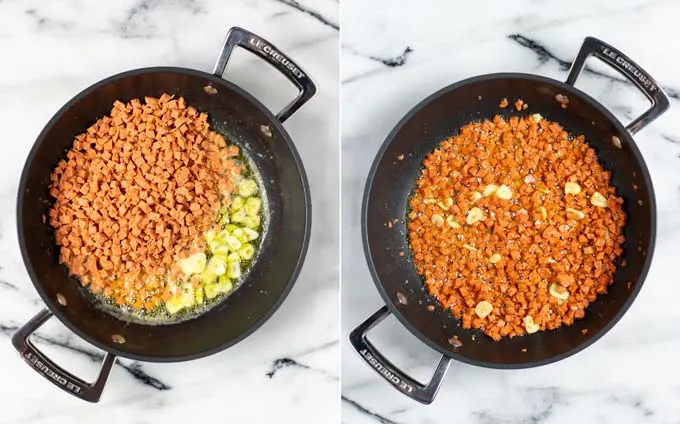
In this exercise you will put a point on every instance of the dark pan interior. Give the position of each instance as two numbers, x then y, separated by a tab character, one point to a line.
391	182
240	117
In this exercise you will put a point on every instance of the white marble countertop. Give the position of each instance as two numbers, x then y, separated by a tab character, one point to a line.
394	54
287	370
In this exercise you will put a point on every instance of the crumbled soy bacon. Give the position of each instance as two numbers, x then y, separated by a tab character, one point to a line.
497	237
135	193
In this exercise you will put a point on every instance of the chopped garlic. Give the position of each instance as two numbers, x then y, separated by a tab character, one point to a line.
544	213
446	204
429	201
504	192
489	190
476	196
559	292
572	188
437	219
483	309
194	264
598	200
474	215
495	258
452	222
575	214
529	325
470	248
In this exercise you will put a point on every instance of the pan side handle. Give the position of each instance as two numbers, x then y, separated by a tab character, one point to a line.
239	37
399	380
66	381
633	73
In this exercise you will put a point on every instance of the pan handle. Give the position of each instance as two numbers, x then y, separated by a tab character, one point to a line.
66	381
399	380
272	55
633	73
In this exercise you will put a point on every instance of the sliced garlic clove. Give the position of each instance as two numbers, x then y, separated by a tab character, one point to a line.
575	214
437	219
572	188
529	325
558	292
495	258
489	190
452	222
483	309
474	215
446	204
475	196
598	200
504	192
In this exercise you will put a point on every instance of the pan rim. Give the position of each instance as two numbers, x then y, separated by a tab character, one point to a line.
50	304
394	310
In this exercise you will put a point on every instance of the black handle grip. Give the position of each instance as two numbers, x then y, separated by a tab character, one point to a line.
270	54
631	70
66	381
399	380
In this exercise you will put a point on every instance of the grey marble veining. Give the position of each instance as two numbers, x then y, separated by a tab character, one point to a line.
396	53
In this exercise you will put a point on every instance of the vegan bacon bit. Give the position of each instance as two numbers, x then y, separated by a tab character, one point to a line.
504	103
551	265
519	104
135	194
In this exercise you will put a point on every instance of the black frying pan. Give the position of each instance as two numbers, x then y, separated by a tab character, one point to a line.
391	181
246	122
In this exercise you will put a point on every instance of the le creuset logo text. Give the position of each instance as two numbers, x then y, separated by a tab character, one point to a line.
270	51
385	372
38	364
631	68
